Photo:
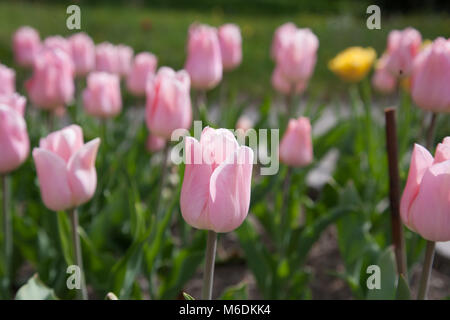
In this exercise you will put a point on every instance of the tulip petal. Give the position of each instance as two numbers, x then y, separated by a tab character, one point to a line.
64	142
442	152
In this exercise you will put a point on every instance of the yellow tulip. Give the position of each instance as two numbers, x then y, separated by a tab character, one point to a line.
353	63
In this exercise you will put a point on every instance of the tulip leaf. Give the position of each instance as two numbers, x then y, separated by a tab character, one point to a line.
388	274
188	296
65	231
403	291
35	289
236	292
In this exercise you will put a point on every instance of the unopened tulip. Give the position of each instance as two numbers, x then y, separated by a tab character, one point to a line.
14	101
14	142
66	168
204	61
107	58
383	81
430	79
26	44
168	105
155	143
230	40
425	204
282	85
217	181
83	53
281	35
125	54
58	42
7	80
296	148
144	65
297	56
102	98
353	63
52	84
403	46
244	123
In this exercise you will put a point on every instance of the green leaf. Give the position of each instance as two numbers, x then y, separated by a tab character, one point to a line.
188	296
403	291
64	231
388	274
236	292
35	289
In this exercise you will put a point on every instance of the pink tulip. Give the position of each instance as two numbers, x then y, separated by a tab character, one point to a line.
107	58
7	80
125	59
402	48
244	123
296	148
26	44
14	101
430	81
383	81
230	41
282	85
204	61
102	98
52	84
66	168
155	143
14	142
297	55
58	42
217	181
425	204
280	37
144	65
168	102
83	53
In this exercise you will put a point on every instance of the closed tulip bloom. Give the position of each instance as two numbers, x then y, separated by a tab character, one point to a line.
155	143
14	101
107	58
430	80
281	35
58	42
296	148
283	86
244	123
204	61
52	84
168	105
353	63
66	168
217	181
26	44
83	53
297	56
14	142
403	46
144	65
7	80
102	98
230	40
382	80
125	54
425	203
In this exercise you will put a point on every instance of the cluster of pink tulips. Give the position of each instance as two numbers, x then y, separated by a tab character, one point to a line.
216	189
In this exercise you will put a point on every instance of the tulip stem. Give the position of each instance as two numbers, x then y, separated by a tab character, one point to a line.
284	207
426	270
163	176
208	275
8	240
82	295
430	132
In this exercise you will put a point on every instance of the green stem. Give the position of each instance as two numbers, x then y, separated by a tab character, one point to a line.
284	207
430	131
8	240
426	270
163	177
208	275
82	295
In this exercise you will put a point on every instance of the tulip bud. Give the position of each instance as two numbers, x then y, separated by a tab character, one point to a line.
353	63
204	61
155	143
402	48
58	42
7	80
383	81
230	41
125	54
217	181
296	145
144	65
168	104
83	53
107	58
14	101
425	203
66	168
52	83
430	80
281	35
102	98
26	44
14	142
283	86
